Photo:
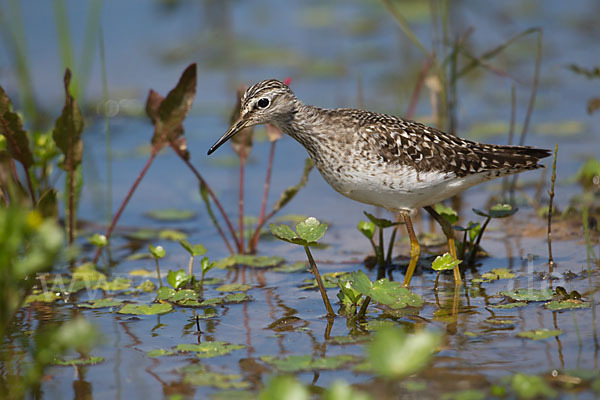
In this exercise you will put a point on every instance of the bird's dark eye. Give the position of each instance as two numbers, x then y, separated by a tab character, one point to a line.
263	103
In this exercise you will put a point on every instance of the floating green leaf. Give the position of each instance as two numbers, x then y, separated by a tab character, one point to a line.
394	353
509	305
172	235
182	295
87	272
209	349
497	273
145	309
237	298
444	262
289	268
529	294
170	214
200	375
539	334
165	293
566	305
79	361
147	286
306	362
101	303
233	287
45	297
160	352
340	390
248	260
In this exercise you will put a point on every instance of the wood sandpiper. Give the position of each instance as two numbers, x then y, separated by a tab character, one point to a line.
382	160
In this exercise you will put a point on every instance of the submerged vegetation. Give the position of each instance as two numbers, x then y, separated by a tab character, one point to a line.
238	315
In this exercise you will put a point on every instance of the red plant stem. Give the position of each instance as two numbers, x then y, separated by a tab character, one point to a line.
417	90
241	194
113	223
71	203
263	206
213	197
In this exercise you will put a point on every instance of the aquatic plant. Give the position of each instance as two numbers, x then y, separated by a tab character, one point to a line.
308	232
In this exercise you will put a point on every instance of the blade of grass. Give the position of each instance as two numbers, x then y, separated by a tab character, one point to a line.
551	194
403	23
92	30
107	141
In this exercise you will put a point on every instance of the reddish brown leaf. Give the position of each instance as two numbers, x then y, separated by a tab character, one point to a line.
68	128
152	104
173	108
11	128
242	141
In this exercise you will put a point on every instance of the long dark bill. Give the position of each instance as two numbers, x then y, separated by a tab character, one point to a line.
235	128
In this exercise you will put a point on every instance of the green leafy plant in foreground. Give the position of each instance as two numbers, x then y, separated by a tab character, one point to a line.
390	294
308	232
30	244
443	263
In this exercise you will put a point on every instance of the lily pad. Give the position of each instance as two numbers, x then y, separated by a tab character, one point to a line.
79	361
145	309
45	297
114	285
164	293
172	235
87	272
566	305
529	294
495	274
170	214
200	375
540	334
142	272
237	298
182	295
209	349
448	213
146	286
160	352
101	303
306	362
510	305
290	268
531	387
233	287
248	260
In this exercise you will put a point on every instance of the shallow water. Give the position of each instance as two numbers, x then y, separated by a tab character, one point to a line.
325	52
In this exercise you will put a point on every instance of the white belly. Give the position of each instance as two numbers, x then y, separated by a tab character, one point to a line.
399	189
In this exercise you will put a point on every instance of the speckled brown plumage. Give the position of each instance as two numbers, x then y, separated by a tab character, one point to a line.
380	159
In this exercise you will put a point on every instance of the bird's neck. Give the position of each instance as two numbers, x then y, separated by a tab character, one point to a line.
306	126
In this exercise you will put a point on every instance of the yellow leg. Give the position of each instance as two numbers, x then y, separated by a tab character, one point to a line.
415	250
449	232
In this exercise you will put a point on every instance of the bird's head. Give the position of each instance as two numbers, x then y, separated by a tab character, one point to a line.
269	101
